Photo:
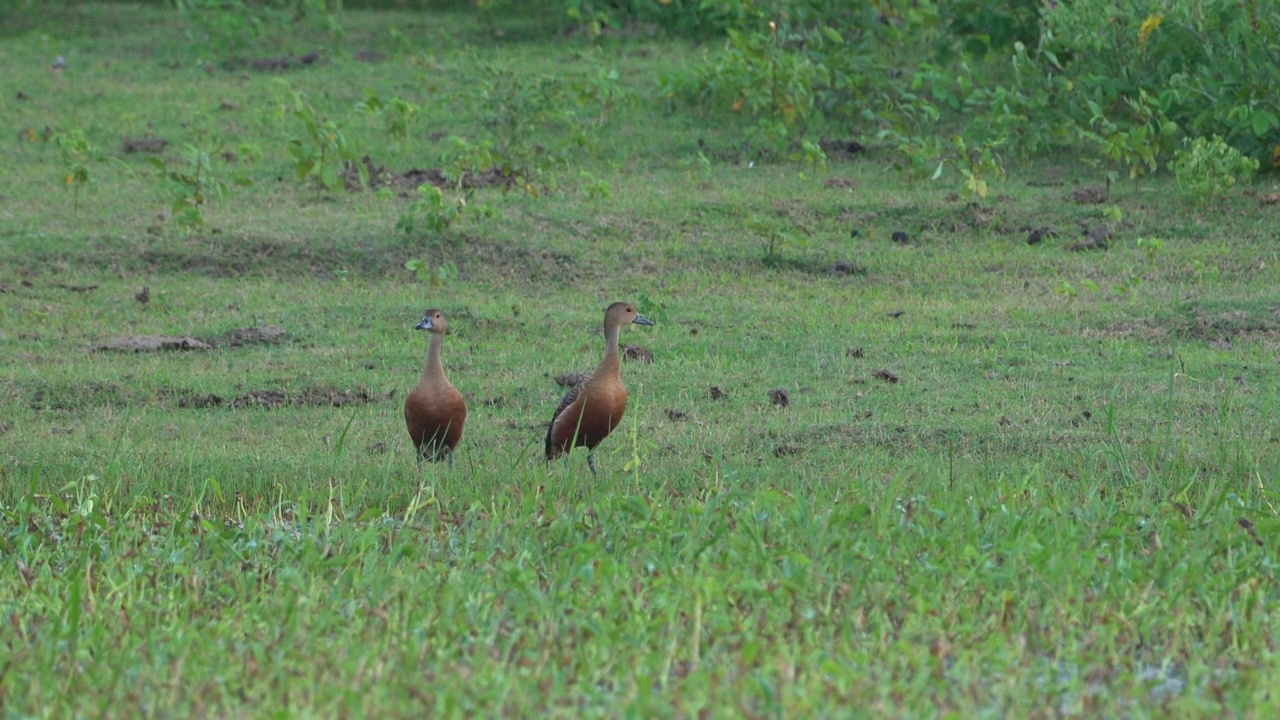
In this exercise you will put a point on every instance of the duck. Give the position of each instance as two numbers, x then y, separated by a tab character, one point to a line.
435	411
594	407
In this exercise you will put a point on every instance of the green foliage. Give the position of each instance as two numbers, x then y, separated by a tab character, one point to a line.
684	17
766	79
1027	76
77	155
978	165
595	188
778	238
1016	103
191	186
524	116
977	28
784	70
232	28
432	212
320	149
602	89
1137	136
1207	168
436	274
463	157
398	116
1208	67
907	122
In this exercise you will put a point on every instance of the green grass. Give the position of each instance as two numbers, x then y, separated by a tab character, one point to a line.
1066	504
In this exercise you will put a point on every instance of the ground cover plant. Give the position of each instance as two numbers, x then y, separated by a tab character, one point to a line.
960	398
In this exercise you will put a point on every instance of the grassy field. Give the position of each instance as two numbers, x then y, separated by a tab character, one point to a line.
1010	479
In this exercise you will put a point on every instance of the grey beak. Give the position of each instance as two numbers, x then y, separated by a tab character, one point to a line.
424	325
642	320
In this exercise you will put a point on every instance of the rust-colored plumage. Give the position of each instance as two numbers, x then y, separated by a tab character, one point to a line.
594	407
434	412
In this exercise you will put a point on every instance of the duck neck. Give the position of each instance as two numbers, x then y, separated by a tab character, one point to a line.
611	363
434	372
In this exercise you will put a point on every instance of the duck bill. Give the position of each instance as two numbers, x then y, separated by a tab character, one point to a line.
424	325
642	320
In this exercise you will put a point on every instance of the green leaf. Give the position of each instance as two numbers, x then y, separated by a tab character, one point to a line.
1262	122
833	35
329	177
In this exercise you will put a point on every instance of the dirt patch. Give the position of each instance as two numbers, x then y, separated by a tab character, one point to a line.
332	397
637	353
1035	236
266	399
253	335
841	149
200	401
1095	239
235	338
311	397
281	62
410	180
146	145
847	267
981	216
677	415
370	56
717	393
153	343
75	288
780	397
885	375
786	450
322	396
1092	195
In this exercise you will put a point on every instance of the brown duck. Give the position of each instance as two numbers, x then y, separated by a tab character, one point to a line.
594	407
434	412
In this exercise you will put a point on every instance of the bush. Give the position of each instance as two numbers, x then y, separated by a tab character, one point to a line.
1209	66
1208	168
230	28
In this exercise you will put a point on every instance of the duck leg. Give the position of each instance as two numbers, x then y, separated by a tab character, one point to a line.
591	462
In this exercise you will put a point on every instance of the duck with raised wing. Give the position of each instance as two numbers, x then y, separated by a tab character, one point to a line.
594	407
434	412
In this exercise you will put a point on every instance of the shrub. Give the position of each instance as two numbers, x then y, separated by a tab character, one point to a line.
233	27
1208	66
1208	168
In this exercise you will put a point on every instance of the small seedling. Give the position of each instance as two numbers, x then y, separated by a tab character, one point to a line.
190	186
436	275
321	148
398	116
76	154
433	213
